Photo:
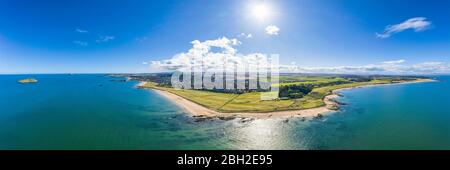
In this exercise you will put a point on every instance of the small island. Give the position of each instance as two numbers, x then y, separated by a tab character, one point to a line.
28	81
306	96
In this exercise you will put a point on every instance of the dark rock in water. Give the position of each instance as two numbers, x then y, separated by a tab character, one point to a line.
226	118
339	94
201	119
286	121
319	116
118	80
303	119
340	103
245	120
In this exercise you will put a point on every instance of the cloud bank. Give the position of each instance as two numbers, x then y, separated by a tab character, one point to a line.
211	54
387	67
417	24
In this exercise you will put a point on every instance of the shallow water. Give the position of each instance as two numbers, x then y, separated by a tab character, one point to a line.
93	112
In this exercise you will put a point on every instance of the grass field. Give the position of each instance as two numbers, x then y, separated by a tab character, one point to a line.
251	102
227	102
305	80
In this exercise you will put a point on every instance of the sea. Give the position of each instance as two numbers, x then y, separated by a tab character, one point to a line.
99	112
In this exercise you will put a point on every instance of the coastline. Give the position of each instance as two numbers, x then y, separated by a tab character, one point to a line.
391	84
200	111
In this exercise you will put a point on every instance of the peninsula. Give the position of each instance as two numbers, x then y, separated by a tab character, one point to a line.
305	96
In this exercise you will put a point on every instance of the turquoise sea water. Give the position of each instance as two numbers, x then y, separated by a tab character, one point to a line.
93	112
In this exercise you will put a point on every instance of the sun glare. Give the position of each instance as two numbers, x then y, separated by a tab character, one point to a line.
261	11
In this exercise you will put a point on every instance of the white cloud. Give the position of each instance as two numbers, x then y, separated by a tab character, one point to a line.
272	30
245	35
417	24
102	39
394	62
434	67
390	67
211	55
145	63
81	30
81	43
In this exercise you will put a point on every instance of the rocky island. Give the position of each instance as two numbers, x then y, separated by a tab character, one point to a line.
28	80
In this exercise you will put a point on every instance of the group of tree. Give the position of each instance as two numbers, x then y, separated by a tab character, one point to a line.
295	91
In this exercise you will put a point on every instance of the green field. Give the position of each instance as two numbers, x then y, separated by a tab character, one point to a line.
304	80
251	102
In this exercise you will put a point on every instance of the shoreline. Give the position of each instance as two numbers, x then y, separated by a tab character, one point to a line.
391	84
200	111
197	110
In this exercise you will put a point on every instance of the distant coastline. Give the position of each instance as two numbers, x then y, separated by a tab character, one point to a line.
371	85
200	111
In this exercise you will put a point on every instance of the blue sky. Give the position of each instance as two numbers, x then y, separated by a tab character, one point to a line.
92	36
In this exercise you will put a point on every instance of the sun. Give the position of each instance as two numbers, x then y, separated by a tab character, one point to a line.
261	11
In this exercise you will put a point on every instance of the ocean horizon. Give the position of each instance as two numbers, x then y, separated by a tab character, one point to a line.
96	111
